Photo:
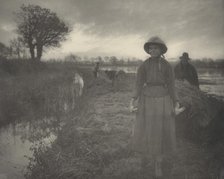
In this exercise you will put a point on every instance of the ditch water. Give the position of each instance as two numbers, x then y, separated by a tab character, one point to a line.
17	141
212	81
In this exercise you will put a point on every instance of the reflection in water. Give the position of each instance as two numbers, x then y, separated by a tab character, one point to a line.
212	81
45	98
130	69
16	141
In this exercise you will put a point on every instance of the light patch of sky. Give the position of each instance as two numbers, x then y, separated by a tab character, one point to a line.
8	27
82	43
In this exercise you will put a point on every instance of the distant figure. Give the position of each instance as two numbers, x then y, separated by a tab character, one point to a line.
185	71
96	69
77	88
120	73
111	74
114	75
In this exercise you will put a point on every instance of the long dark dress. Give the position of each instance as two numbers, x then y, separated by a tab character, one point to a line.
154	127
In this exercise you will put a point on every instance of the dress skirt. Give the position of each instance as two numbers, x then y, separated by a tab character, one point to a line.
154	127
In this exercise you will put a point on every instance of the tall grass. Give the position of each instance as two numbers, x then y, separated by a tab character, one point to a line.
31	90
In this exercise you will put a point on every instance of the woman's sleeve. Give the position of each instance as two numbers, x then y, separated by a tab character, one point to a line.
140	80
171	84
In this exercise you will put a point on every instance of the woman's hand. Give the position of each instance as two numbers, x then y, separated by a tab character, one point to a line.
178	109
131	105
132	108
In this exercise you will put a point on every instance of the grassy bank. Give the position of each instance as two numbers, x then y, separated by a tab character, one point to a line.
33	90
95	141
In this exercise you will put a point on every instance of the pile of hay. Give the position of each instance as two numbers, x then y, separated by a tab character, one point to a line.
203	119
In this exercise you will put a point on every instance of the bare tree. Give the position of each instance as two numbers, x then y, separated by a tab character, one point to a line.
39	27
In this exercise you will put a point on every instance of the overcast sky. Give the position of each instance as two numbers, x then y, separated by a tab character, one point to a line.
120	27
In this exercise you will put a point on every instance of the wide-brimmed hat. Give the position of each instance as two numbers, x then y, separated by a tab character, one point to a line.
155	41
184	56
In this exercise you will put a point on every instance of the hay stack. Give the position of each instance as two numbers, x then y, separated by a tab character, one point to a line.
203	116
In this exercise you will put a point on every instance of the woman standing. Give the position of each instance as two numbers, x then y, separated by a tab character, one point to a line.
154	129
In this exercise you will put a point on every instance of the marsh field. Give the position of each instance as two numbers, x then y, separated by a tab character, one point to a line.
41	137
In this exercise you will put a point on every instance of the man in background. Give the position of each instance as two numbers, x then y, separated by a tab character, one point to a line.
96	69
186	71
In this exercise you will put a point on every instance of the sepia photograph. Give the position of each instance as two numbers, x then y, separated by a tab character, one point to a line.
112	89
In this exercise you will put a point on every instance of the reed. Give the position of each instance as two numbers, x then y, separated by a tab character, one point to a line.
33	90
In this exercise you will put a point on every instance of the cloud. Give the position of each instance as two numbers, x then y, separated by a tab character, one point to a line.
184	24
82	43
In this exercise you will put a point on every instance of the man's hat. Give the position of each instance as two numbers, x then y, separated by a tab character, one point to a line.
185	56
155	41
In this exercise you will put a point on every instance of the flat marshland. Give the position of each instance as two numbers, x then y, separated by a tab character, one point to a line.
94	140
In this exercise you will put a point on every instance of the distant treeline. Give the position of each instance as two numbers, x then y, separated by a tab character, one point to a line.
126	61
208	63
113	60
